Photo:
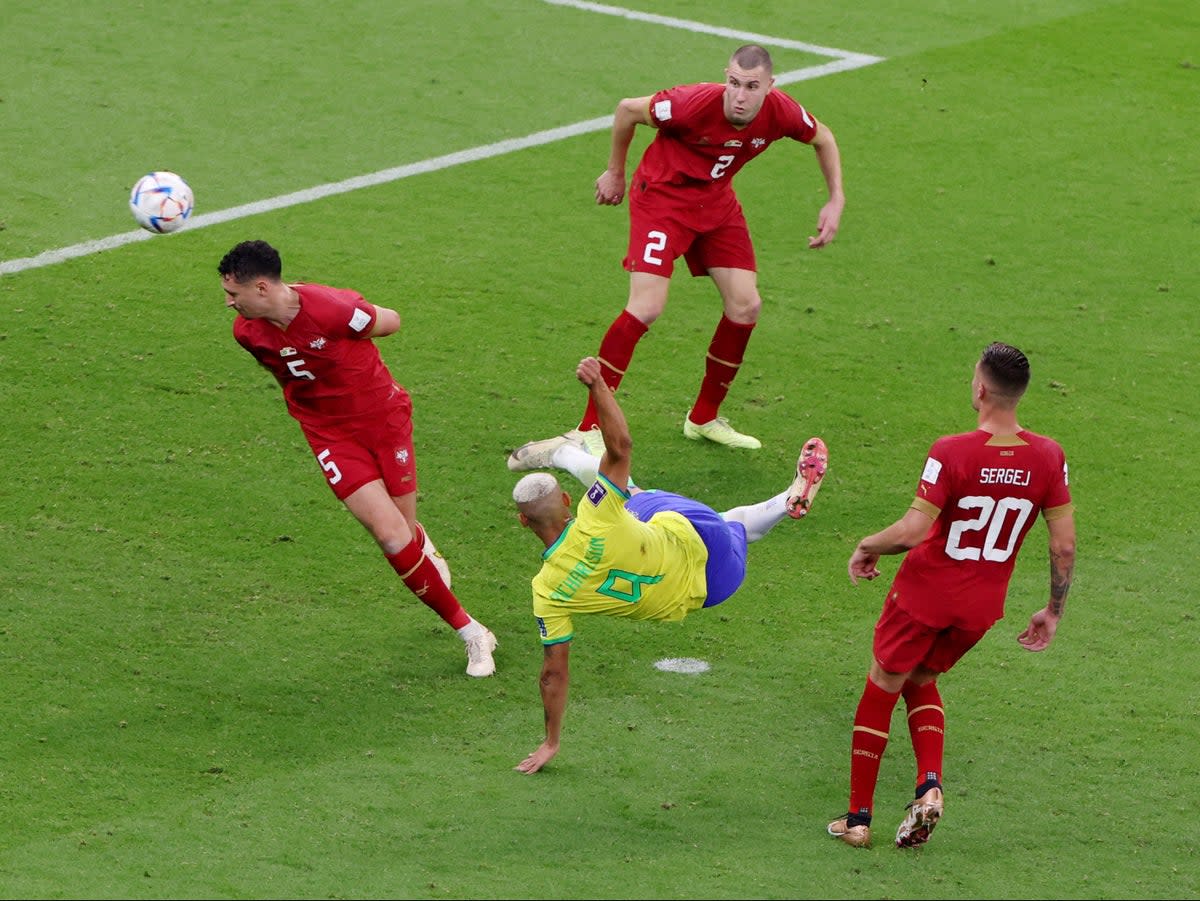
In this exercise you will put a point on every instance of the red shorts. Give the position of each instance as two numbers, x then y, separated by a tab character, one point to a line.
902	644
706	228
354	454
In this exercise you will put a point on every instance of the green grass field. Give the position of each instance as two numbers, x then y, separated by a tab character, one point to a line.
215	688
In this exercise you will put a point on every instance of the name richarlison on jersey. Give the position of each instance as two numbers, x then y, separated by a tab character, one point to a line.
584	568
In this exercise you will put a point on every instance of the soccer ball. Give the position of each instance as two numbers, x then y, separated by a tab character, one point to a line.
161	201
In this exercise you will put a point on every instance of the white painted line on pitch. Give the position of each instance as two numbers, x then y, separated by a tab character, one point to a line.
844	62
51	257
700	28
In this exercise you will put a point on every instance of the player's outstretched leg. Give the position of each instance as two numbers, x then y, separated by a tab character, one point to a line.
795	502
540	454
591	440
810	470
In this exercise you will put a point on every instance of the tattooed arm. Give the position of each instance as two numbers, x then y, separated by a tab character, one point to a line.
1043	624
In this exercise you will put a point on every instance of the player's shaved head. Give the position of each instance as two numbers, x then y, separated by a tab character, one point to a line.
750	57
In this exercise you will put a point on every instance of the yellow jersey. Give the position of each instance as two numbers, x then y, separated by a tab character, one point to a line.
609	562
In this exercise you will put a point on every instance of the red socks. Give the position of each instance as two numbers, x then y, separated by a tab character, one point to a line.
725	354
422	578
616	350
927	726
872	720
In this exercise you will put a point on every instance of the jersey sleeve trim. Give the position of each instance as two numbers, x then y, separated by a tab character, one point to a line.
919	503
600	477
1052	513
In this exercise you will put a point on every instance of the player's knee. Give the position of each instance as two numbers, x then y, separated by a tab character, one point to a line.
744	309
393	538
646	310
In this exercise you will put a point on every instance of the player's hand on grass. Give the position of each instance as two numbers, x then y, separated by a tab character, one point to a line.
537	759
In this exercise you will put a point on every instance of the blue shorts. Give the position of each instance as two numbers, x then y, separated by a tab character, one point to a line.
726	541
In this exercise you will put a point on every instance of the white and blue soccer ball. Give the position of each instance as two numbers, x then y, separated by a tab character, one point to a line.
161	202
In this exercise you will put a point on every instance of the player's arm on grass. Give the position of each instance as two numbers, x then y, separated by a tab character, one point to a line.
553	682
905	533
618	444
1043	624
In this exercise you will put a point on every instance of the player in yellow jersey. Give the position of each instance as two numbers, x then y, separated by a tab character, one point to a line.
634	553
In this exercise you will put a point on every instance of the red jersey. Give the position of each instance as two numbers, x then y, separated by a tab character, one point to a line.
697	146
985	491
328	367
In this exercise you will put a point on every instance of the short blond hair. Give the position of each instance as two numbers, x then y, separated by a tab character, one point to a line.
534	487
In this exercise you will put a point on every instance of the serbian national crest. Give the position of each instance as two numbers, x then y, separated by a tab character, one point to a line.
402	455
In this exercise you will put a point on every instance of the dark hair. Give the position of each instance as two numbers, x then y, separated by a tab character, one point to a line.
1006	368
251	259
751	56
